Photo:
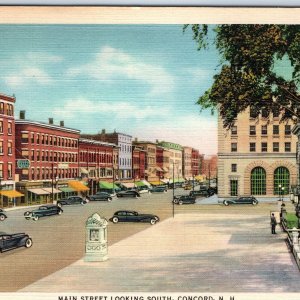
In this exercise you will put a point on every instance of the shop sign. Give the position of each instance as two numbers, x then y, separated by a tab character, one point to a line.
23	163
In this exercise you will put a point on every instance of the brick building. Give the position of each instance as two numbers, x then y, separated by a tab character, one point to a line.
138	163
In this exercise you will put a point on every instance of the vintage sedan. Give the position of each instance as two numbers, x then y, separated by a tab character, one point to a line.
3	216
100	196
133	216
71	200
184	199
43	211
129	193
241	200
15	240
201	193
158	189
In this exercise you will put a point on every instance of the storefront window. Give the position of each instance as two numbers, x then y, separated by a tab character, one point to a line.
258	181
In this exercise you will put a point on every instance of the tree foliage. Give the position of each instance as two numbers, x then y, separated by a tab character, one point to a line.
249	75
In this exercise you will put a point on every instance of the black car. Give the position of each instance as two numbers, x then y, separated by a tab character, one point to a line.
3	216
42	211
129	193
241	200
184	199
158	189
71	200
201	193
133	216
12	241
100	196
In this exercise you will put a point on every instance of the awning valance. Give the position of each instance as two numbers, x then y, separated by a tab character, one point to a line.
140	183
146	182
128	184
11	194
156	182
55	191
38	191
165	180
67	189
78	186
107	185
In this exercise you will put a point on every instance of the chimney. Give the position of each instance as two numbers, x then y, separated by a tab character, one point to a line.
103	131
22	114
157	142
62	124
51	121
136	139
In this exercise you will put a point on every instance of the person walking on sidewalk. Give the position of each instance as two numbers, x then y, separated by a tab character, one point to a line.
273	223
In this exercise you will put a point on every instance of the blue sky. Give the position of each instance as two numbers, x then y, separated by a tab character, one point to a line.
142	80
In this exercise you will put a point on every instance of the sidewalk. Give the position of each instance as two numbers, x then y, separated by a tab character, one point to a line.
190	253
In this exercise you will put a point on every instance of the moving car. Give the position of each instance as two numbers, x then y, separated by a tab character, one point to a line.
101	196
184	199
129	193
3	216
15	240
241	200
133	216
71	200
42	211
158	189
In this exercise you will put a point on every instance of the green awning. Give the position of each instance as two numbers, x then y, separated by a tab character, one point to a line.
140	183
67	189
107	185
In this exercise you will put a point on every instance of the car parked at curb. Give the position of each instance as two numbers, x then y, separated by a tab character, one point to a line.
43	211
184	199
129	193
201	193
3	216
158	189
133	216
100	196
13	241
241	200
71	201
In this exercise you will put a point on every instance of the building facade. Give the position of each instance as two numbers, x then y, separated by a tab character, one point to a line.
257	156
196	162
187	163
138	163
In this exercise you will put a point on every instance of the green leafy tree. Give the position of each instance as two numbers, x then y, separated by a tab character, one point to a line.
252	60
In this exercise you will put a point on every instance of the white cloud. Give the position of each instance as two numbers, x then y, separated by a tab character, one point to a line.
111	64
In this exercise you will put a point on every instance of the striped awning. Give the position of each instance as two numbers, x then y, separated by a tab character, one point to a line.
38	191
11	194
78	186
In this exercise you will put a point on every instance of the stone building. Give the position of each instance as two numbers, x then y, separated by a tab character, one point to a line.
256	156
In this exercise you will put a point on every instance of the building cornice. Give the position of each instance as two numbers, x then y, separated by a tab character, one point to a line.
257	155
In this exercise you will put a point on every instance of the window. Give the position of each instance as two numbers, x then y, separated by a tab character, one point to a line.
253	112
9	148
37	138
9	171
281	181
233	147
1	147
275	112
32	138
233	187
43	139
234	130
264	147
1	108
258	181
1	170
1	126
9	128
287	147
252	130
264	113
264	129
275	129
25	153
38	155
233	167
32	154
275	147
287	129
24	138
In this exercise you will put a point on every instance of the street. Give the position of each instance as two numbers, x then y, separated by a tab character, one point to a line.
58	241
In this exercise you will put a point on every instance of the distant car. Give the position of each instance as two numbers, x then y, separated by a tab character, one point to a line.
201	193
43	211
158	189
241	200
133	216
3	216
187	187
129	193
184	199
15	240
101	196
71	200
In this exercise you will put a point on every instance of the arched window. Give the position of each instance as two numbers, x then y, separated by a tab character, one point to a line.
258	181
281	181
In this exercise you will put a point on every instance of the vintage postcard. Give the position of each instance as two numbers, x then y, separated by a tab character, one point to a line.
149	153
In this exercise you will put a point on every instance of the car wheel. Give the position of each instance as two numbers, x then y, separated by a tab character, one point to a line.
109	199
59	212
28	243
225	203
82	202
152	221
59	204
115	220
136	196
149	192
180	202
254	202
2	217
35	218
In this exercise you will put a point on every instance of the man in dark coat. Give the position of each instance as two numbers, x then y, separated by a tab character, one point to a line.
273	223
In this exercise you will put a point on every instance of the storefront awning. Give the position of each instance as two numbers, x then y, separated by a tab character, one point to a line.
128	184
146	182
158	169
84	171
67	189
166	170
140	183
11	194
78	186
38	191
55	191
106	185
156	182
165	180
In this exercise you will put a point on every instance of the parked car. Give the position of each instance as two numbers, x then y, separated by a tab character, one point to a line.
184	199
158	189
133	216
143	189
201	193
131	193
15	240
187	187
241	200
101	196
176	185
42	211
71	200
3	216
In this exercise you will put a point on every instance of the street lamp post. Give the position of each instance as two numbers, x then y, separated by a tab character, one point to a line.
279	192
282	193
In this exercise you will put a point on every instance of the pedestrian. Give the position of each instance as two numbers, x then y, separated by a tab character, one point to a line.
273	223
